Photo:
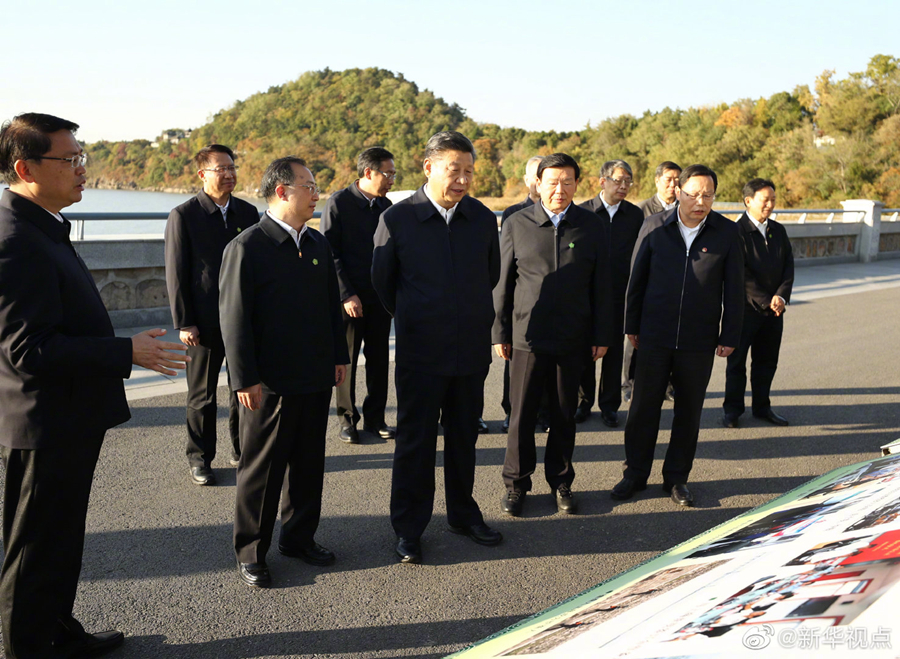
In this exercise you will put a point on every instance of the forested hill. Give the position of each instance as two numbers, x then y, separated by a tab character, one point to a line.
839	140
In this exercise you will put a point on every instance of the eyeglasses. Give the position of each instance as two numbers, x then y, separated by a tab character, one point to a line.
315	189
223	170
75	161
697	196
388	175
627	182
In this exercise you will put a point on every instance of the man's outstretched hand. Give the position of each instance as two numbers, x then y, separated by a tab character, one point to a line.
159	356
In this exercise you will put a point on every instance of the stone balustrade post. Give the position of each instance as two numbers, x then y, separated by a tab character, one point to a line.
870	229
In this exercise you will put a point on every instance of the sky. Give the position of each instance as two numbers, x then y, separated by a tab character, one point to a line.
129	70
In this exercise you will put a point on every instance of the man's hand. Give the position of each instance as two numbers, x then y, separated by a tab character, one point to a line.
353	307
503	350
723	351
190	336
597	352
340	374
777	305
250	397
156	355
633	338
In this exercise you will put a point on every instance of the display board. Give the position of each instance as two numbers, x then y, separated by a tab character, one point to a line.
812	572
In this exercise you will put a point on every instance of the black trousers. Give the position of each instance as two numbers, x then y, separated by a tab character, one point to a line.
373	330
530	376
423	399
629	363
609	393
202	374
761	337
283	456
45	503
690	371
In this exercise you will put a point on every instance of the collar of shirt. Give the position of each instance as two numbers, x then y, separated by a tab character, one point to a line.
58	217
688	233
292	232
760	226
224	208
611	210
666	206
446	213
365	194
556	219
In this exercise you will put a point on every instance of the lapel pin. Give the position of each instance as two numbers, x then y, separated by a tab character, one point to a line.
703	250
315	261
571	245
239	229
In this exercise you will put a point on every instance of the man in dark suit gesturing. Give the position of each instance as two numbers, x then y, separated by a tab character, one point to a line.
621	221
284	339
61	370
196	235
688	267
349	220
768	280
436	260
551	312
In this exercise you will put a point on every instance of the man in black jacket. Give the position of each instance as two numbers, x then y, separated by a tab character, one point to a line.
621	221
768	280
196	235
436	260
280	312
551	311
688	267
349	221
61	370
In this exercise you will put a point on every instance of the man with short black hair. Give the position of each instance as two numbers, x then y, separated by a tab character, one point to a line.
61	370
348	222
687	276
621	221
436	261
281	320
552	310
196	235
768	280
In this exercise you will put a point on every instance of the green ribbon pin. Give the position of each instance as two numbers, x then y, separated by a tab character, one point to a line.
571	245
315	261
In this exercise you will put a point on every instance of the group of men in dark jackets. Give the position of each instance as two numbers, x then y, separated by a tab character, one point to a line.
288	309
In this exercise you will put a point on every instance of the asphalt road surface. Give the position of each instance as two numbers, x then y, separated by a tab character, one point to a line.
159	564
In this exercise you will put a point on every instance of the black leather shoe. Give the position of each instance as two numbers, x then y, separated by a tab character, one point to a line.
314	554
350	435
480	533
511	503
255	574
626	396
565	500
385	432
680	494
72	641
772	417
626	488
730	420
582	412
482	427
609	419
409	550
505	425
203	476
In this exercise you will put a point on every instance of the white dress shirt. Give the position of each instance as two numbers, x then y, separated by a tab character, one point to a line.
610	209
446	213
296	235
687	233
555	218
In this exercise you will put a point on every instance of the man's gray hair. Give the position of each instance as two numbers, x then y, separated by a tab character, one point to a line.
610	166
448	140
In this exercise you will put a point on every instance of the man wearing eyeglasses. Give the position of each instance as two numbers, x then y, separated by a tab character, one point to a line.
621	221
685	304
61	371
284	339
349	220
196	235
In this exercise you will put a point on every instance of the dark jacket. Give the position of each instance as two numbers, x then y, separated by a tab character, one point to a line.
196	236
651	206
436	281
768	265
280	311
349	223
676	297
61	366
621	235
552	296
515	208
